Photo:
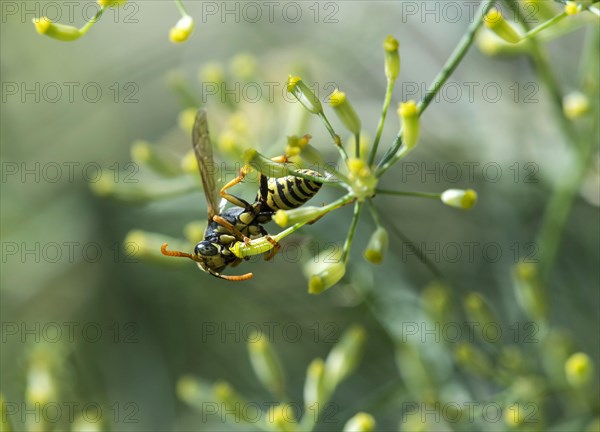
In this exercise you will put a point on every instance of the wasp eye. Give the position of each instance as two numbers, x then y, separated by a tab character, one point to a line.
205	248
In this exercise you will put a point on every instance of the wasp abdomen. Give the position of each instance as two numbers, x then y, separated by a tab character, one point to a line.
286	193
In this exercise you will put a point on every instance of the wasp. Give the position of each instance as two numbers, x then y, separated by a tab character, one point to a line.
244	222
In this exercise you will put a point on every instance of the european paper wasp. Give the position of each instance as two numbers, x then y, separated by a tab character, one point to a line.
242	223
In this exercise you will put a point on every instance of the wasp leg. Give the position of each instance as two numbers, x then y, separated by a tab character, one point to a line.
276	246
232	198
231	228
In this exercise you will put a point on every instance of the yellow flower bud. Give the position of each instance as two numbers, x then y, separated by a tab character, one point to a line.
182	29
186	119
409	116
579	369
304	95
459	198
212	72
111	3
45	26
377	246
362	179
575	105
230	143
514	415
392	58
189	164
326	278
243	66
194	231
496	23
345	111
572	8
361	422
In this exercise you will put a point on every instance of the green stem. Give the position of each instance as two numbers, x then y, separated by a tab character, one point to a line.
348	243
452	63
84	29
181	8
531	33
560	204
335	137
357	146
374	214
384	110
412	194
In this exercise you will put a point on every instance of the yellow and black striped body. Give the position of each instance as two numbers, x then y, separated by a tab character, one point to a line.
286	193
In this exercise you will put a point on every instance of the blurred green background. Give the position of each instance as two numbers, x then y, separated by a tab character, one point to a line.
86	322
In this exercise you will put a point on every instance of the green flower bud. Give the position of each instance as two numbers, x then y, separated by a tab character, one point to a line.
280	417
579	369
345	111
491	45
159	162
4	416
473	359
361	422
496	23
409	116
233	402
344	357
85	424
314	389
305	95
264	165
392	58
543	9
377	246
266	364
45	26
41	386
194	392
459	198
437	302
480	312
300	146
182	30
285	218
529	292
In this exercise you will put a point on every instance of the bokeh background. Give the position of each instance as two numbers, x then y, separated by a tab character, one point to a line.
94	321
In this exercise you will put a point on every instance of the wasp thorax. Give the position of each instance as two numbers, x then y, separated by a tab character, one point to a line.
205	248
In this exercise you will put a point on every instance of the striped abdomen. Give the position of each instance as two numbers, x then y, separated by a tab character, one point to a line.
286	193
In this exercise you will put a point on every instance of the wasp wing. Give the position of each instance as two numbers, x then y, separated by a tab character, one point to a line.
204	155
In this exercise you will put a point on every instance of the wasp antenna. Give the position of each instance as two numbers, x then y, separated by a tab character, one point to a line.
236	278
166	252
